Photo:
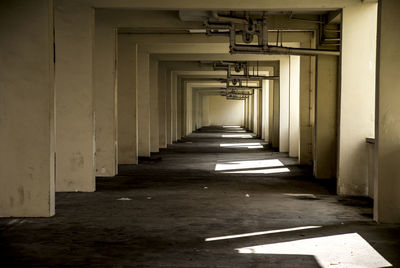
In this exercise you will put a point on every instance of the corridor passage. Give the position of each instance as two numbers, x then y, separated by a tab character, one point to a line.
219	197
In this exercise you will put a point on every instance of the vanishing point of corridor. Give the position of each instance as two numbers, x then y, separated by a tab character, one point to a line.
217	198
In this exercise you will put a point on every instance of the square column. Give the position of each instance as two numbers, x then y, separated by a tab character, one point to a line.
127	101
255	111
143	95
275	121
74	36
307	92
294	106
179	103
387	199
284	94
154	135
325	129
105	97
169	106
174	106
205	110
27	148
162	106
357	118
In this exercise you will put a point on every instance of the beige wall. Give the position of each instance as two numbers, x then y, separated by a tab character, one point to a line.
27	148
225	112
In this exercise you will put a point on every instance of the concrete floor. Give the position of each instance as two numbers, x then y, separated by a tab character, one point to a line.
176	203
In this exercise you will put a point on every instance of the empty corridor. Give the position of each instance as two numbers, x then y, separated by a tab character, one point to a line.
217	198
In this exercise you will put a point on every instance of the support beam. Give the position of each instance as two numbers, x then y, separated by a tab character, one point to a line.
154	134
143	95
127	102
162	105
169	106
27	147
294	106
284	92
387	200
75	130
276	123
105	97
357	97
307	91
325	141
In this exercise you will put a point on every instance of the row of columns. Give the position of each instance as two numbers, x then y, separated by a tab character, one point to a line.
41	155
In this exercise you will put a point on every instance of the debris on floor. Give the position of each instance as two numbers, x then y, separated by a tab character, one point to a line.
124	199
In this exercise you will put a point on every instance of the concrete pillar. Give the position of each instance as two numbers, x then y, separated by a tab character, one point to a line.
357	118
284	89
154	134
199	107
263	114
205	110
294	106
27	148
251	113
255	111
169	106
260	113
387	200
276	122
188	110
307	78
270	111
246	104
179	108
174	108
143	96
162	106
194	110
127	102
325	141
265	110
105	96
75	130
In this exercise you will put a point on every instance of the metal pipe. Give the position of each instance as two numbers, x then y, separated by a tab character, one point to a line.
256	77
275	50
228	18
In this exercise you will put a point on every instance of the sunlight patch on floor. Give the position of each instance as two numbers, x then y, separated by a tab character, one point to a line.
249	145
260	171
248	164
242	136
261	233
344	250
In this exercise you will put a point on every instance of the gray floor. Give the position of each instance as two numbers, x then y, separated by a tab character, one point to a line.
176	200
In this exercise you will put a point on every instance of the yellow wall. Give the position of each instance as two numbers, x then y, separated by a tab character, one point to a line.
225	112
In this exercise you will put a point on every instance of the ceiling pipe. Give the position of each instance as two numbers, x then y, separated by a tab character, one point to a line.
254	77
264	48
276	50
224	18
